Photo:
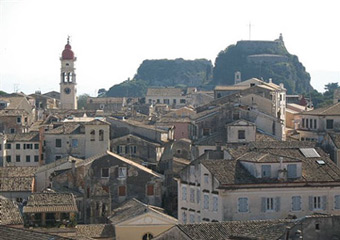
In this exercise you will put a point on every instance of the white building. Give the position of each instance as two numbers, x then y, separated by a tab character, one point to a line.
273	180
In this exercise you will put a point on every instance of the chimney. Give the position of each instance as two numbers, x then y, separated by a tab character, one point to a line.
73	162
282	173
281	85
270	80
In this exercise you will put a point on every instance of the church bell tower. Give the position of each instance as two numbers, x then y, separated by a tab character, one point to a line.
68	84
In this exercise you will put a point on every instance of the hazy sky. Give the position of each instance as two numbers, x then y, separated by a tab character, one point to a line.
112	38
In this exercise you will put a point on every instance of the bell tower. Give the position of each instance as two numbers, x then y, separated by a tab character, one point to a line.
68	84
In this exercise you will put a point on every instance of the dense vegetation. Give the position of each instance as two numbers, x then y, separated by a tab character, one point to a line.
164	72
289	72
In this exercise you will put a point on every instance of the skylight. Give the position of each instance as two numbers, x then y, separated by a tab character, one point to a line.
321	162
309	152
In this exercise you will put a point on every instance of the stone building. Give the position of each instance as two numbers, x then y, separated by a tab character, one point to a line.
106	181
79	139
50	209
141	150
173	97
21	149
9	212
16	114
270	180
17	183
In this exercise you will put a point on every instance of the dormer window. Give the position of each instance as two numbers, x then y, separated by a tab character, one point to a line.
291	171
266	171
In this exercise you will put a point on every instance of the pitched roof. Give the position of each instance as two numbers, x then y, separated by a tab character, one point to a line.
9	212
332	110
23	137
65	128
232	172
96	231
50	202
335	138
133	208
255	229
164	92
10	233
17	178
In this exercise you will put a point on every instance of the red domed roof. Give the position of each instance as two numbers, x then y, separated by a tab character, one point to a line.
67	53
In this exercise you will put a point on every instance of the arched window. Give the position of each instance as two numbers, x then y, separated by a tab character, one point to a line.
92	135
147	236
101	135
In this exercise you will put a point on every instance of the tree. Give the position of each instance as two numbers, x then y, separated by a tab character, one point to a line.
82	99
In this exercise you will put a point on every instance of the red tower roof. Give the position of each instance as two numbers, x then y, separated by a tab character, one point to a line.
67	53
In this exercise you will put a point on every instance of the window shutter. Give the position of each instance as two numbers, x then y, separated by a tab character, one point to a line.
337	202
324	202
277	204
310	203
263	204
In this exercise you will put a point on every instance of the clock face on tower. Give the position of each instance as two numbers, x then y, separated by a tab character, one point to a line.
67	90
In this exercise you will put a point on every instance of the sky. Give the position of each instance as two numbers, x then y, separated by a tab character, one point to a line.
111	38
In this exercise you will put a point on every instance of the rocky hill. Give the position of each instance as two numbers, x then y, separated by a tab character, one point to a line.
164	73
259	59
263	60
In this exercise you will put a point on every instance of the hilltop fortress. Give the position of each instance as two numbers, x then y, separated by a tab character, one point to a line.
264	51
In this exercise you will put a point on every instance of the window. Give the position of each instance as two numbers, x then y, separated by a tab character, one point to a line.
57	157
192	170
17	158
122	172
150	190
92	135
192	218
317	202
17	146
329	124
184	217
243	204
337	202
158	101
133	149
206	178
311	123
36	146
184	193
101	135
105	173
303	122
12	130
58	143
296	203
206	201
182	101
18	119
147	236
36	158
206	131
198	195
8	146
122	191
28	158
266	171
292	171
174	101
307	125
215	203
74	143
8	158
192	195
241	134
166	101
270	204
28	146
315	125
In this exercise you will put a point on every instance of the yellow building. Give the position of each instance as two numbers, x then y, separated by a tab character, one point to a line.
134	220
